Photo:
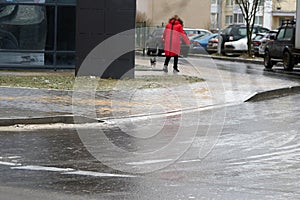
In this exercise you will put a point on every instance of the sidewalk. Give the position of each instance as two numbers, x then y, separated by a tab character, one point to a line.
25	105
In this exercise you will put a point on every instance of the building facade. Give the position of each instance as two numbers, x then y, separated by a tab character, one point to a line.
270	13
195	13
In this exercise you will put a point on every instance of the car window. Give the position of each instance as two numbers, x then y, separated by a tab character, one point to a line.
258	37
242	31
264	30
227	30
280	34
288	34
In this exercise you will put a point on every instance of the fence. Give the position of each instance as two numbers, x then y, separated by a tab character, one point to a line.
142	34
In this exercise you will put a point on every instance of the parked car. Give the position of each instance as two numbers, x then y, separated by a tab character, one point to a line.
200	45
265	40
282	49
212	45
155	44
235	32
256	42
190	32
237	47
198	36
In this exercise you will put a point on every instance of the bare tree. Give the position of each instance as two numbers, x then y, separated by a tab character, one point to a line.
142	17
249	9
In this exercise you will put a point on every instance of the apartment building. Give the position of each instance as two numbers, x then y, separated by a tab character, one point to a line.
270	13
195	13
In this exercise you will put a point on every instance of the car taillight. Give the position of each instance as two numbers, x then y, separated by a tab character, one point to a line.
215	40
256	43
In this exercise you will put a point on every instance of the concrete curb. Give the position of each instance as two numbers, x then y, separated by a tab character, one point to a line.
66	119
276	93
232	59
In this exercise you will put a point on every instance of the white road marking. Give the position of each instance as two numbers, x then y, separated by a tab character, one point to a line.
41	168
97	174
70	171
146	162
14	157
9	163
65	171
188	161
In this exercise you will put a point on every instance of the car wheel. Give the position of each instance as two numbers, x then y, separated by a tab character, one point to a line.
267	60
288	61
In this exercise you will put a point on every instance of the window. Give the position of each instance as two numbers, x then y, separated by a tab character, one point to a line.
214	2
259	20
263	30
229	2
261	2
228	19
227	30
281	34
288	33
37	34
238	18
242	31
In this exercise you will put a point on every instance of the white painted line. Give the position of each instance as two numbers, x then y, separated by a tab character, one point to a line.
146	162
14	157
9	163
97	174
188	161
41	168
69	171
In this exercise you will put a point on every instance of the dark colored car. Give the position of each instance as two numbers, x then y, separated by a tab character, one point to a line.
282	47
237	31
265	41
155	44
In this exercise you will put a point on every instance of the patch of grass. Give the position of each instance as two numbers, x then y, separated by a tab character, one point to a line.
66	82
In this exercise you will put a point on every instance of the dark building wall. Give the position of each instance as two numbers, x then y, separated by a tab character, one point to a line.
102	20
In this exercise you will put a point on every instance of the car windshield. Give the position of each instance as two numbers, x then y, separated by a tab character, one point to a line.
258	37
226	30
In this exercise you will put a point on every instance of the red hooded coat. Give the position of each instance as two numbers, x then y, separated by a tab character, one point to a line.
172	35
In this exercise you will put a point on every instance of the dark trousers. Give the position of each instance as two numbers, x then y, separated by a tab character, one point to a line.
167	60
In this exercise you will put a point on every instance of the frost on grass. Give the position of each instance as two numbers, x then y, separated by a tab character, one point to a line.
67	82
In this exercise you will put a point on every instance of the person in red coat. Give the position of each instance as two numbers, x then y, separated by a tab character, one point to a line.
172	36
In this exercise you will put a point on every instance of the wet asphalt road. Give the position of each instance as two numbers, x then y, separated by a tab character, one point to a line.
245	151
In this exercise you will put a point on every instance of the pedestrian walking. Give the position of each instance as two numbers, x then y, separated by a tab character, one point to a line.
172	36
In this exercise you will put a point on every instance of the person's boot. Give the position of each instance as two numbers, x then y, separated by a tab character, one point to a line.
165	69
175	70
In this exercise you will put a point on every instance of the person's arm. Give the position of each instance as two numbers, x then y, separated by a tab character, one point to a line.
184	36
